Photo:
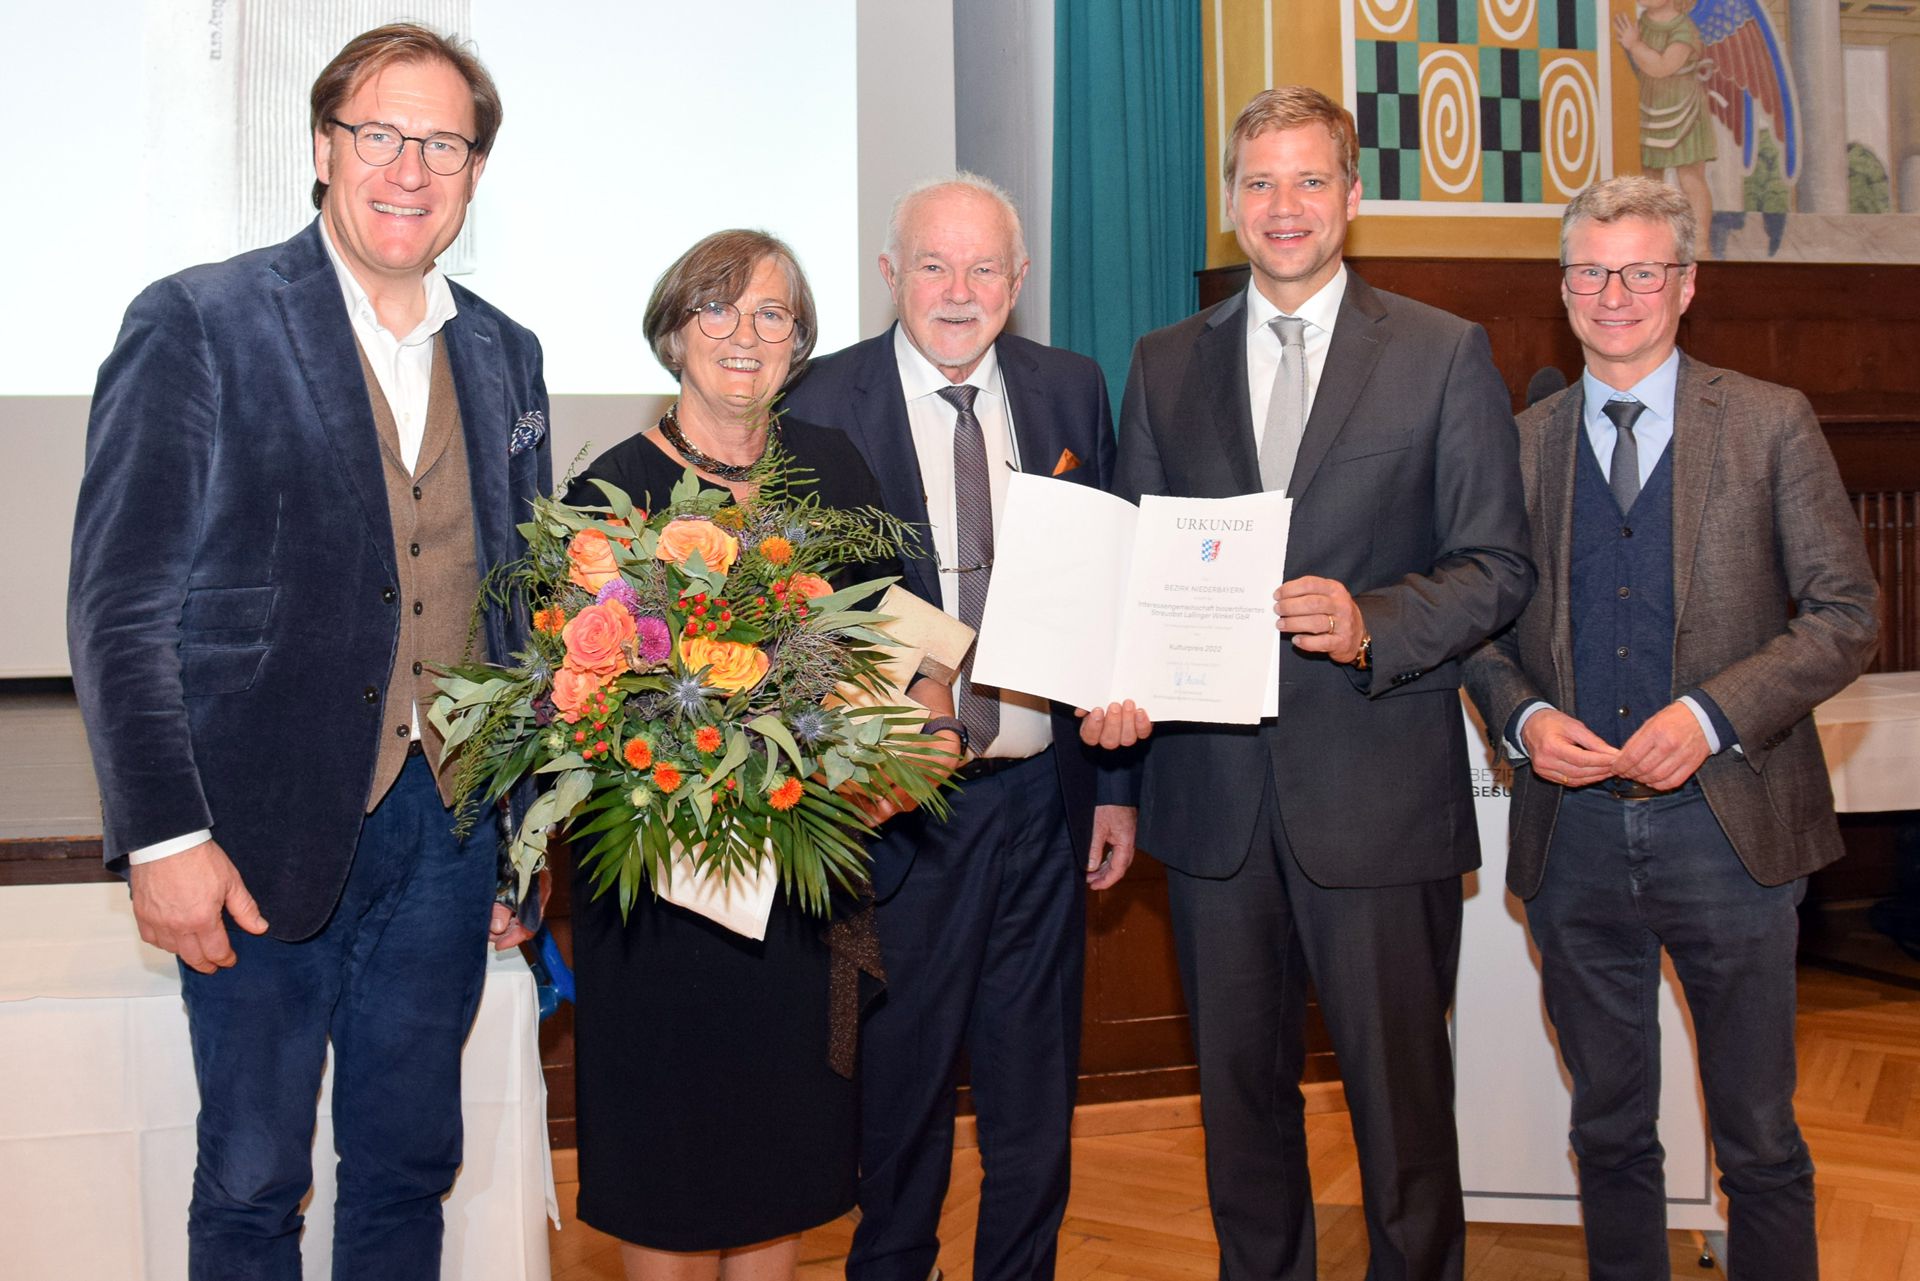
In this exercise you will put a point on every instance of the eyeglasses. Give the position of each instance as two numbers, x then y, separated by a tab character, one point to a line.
721	320
1638	277
381	144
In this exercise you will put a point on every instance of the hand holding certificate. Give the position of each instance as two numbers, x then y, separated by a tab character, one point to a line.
1168	604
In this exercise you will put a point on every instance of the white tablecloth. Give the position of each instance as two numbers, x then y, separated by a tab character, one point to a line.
1871	734
97	1106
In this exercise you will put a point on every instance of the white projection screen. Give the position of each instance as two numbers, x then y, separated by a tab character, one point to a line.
149	135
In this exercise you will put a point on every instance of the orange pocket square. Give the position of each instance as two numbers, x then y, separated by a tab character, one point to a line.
1068	461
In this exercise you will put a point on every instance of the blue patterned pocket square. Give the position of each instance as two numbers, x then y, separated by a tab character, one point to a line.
529	429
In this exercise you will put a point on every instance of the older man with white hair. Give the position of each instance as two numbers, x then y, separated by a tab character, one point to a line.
981	915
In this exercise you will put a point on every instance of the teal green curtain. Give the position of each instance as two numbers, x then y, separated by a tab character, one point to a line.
1129	200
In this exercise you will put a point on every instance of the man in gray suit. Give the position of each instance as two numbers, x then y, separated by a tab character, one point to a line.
1703	584
1328	842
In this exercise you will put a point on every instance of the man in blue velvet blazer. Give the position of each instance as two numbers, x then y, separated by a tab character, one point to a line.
981	915
300	463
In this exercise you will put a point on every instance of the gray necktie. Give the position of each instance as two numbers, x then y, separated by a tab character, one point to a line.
1623	477
1287	407
973	539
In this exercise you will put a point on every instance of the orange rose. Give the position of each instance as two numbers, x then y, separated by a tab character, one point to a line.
809	585
596	636
592	557
573	689
681	538
734	666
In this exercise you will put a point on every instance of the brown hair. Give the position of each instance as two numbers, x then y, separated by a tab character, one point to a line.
1290	107
1632	196
399	42
718	269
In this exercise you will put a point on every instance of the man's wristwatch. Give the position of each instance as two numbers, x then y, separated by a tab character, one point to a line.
935	724
1364	659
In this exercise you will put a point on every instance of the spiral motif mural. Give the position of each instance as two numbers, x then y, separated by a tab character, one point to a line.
1449	121
1389	16
1569	125
1508	19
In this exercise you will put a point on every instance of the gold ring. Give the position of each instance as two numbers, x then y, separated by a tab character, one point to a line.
1329	624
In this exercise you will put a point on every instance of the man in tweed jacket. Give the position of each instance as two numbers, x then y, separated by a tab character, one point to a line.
1703	584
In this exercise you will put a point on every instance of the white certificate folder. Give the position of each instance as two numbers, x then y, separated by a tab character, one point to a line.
1170	604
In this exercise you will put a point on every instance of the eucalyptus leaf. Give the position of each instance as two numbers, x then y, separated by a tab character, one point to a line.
769	727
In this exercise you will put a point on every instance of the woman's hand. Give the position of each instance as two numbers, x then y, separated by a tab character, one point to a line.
942	756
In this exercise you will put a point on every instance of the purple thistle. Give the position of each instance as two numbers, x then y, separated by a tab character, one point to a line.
619	589
654	642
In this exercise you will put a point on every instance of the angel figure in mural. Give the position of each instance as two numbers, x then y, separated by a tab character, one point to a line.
1697	62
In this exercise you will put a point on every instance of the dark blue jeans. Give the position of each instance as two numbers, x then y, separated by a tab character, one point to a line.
1623	880
393	980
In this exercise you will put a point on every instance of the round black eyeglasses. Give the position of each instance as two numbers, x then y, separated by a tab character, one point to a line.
381	144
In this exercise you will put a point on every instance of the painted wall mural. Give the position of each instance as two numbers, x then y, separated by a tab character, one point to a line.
1792	126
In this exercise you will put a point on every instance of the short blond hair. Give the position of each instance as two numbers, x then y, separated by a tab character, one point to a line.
1291	107
1632	196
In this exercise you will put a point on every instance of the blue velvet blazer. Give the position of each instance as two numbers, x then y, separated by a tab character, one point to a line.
230	613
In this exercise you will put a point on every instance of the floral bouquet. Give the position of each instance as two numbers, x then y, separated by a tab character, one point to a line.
694	691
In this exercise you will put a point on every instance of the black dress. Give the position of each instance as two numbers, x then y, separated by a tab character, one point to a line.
708	1115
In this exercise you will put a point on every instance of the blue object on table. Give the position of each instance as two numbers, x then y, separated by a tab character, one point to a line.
552	979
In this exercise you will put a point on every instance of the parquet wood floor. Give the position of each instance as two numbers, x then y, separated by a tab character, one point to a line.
1139	1205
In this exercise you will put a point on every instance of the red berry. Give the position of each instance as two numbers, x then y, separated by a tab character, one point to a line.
580	736
700	598
712	627
726	616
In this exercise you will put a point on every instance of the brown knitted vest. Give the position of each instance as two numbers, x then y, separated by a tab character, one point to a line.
431	511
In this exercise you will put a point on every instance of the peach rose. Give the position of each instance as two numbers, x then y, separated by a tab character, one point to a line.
809	585
592	557
681	538
735	666
573	689
596	638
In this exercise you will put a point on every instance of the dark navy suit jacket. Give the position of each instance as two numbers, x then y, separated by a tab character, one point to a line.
230	613
1059	405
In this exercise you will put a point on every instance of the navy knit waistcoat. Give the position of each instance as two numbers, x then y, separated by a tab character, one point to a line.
1620	598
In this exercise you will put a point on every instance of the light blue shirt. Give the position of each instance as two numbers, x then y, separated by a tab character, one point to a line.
1652	432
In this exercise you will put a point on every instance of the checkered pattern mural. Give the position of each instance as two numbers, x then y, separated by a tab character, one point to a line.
1477	102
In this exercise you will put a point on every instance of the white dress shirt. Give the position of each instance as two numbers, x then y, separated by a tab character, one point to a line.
403	367
1026	727
1263	345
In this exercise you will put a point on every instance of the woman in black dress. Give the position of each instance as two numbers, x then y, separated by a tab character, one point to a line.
712	1128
